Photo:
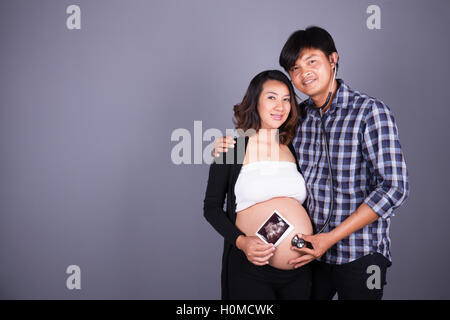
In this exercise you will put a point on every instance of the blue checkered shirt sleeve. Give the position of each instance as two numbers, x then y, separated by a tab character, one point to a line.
382	151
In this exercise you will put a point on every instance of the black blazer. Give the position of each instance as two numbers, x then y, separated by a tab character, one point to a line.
223	174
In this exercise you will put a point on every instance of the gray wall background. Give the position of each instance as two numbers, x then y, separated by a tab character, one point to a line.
86	117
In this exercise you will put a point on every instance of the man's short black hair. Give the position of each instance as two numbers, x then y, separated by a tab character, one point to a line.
312	37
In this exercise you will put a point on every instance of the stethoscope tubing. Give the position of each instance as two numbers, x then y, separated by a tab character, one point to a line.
299	242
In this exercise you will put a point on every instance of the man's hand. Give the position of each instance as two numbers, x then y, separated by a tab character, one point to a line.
257	252
222	144
320	242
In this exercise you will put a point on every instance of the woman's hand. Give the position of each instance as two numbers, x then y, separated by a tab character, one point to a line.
222	144
255	249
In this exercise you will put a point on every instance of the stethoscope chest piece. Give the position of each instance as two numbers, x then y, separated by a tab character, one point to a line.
298	242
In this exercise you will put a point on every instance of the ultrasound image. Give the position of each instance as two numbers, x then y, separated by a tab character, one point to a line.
273	229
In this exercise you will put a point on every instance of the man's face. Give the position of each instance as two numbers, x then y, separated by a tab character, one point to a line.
312	73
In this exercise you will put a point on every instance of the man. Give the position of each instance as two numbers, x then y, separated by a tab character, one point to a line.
368	168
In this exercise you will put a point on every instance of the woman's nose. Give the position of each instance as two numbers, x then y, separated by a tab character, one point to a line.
279	105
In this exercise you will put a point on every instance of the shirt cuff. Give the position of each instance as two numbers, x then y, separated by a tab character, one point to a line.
236	234
380	203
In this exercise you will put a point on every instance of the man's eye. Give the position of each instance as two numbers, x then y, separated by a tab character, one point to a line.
312	61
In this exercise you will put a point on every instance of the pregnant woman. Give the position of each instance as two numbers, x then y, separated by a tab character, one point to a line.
262	179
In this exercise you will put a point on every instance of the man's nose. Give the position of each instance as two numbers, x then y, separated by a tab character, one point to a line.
306	74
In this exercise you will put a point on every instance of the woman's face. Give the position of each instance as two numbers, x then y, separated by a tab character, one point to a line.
274	104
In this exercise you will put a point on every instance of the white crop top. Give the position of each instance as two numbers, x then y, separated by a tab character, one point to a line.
263	180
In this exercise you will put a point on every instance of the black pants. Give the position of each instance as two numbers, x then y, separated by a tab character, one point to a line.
247	281
350	280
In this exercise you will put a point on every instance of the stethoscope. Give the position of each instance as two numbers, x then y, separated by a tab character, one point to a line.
299	242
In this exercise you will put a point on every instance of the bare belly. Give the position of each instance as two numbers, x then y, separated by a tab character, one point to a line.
250	219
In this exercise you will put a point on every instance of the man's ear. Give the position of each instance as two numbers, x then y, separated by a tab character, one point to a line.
334	57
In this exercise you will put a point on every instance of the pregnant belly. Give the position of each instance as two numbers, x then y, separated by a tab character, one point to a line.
249	220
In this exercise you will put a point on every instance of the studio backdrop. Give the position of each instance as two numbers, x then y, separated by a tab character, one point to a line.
108	110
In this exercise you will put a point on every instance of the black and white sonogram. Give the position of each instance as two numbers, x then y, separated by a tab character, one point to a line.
274	229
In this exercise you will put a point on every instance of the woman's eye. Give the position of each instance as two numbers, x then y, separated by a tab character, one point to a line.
271	97
287	99
312	61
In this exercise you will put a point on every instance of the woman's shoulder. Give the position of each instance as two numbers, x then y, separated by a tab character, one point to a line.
234	155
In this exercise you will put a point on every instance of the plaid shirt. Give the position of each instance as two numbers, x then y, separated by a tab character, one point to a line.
368	167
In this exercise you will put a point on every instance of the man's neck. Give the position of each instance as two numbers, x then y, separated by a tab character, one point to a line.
319	101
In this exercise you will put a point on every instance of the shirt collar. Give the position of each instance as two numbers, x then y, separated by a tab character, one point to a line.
343	94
